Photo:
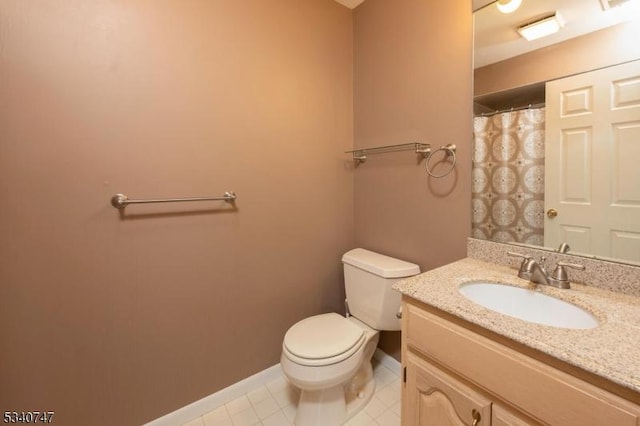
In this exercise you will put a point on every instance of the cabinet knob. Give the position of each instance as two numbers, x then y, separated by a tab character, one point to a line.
475	414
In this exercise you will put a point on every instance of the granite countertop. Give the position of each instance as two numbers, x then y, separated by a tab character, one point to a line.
610	350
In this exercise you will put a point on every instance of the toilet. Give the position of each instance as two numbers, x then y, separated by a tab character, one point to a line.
328	356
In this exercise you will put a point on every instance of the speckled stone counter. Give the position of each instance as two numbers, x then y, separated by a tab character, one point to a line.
611	350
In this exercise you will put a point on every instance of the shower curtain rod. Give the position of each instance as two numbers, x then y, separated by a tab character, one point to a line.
500	111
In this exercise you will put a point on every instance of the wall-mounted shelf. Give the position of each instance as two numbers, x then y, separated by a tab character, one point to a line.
360	155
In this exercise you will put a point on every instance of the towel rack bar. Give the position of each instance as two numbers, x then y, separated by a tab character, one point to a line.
120	201
360	155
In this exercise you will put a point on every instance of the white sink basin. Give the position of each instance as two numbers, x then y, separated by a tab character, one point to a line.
528	305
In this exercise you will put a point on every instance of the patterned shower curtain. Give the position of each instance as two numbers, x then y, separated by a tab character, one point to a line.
508	177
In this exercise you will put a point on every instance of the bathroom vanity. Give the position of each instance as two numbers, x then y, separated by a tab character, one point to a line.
464	364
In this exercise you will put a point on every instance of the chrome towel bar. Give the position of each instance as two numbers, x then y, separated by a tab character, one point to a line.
120	201
360	155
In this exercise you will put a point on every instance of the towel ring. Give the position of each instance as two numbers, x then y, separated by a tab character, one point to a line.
450	151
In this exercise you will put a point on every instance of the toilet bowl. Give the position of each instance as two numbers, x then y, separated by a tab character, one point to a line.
328	356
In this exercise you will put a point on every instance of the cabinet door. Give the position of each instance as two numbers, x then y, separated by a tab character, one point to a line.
434	398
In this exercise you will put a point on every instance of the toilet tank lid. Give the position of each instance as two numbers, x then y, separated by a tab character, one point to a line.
379	264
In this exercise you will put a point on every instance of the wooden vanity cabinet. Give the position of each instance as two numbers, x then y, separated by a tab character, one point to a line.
454	375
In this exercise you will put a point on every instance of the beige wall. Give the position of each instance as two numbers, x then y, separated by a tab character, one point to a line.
119	320
602	48
109	318
412	82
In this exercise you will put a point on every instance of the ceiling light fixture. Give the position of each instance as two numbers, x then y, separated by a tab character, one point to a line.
608	4
508	6
541	28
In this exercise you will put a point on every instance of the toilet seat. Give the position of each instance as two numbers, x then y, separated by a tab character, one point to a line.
322	340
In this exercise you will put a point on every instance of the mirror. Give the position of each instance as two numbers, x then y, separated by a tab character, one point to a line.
512	78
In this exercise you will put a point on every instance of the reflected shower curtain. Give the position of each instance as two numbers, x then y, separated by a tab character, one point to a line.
508	177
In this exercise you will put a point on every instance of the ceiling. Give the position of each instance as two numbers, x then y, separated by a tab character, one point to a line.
496	38
350	3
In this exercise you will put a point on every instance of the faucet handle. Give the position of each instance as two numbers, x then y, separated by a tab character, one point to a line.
514	254
572	265
526	265
526	260
559	277
562	265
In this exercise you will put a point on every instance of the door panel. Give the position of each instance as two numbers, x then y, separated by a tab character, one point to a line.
435	398
592	147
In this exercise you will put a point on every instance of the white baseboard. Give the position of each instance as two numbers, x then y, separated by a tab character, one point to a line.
215	400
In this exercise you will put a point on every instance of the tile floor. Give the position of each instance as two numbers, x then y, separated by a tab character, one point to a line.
275	405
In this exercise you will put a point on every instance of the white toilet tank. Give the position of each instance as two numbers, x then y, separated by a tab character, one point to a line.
368	278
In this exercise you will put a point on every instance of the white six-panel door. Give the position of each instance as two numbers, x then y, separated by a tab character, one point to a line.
592	162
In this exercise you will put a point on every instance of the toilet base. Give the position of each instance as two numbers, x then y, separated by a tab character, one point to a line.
321	408
336	405
359	391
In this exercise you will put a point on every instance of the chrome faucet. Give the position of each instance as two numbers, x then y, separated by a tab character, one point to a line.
535	272
538	273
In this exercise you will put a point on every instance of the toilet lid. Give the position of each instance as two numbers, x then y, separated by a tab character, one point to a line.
322	336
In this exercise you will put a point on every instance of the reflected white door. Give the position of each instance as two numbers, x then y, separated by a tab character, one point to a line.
592	162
